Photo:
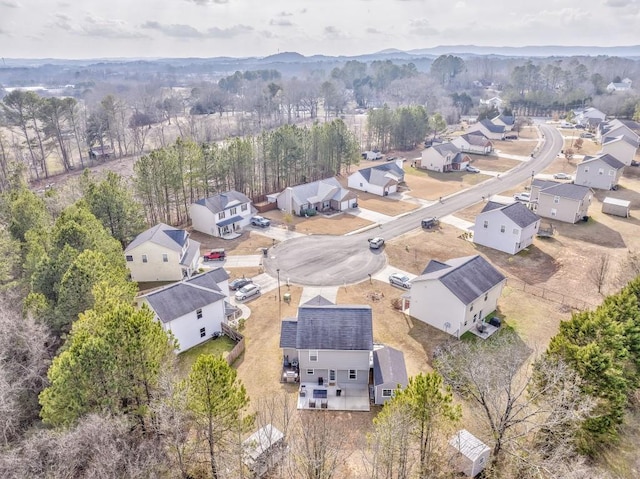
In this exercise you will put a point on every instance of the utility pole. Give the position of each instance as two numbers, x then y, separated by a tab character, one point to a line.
279	296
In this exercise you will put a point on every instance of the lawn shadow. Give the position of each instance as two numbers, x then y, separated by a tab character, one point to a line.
593	232
531	265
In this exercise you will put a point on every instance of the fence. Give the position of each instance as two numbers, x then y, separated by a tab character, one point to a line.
238	349
549	295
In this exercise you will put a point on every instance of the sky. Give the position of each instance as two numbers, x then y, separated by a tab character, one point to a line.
245	28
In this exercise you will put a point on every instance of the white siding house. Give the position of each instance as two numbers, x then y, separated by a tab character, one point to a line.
443	157
602	172
455	296
380	180
321	195
623	148
162	253
588	115
509	228
192	310
615	128
222	214
506	121
488	129
475	143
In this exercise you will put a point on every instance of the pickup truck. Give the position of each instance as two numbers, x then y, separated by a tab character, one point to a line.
215	255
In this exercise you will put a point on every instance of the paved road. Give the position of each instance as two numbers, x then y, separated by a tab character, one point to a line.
320	260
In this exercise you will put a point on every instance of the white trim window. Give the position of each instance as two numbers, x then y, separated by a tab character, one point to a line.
221	215
556	199
387	393
353	374
310	372
129	258
485	225
244	207
313	356
203	332
199	313
144	258
233	211
165	258
502	228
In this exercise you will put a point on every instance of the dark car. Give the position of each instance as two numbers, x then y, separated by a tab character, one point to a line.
429	223
215	255
238	283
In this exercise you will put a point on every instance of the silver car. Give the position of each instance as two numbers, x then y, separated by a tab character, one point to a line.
400	280
247	291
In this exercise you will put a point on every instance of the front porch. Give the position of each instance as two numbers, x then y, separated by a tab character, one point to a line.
335	397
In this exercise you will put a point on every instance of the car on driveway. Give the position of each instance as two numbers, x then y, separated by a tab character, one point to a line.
472	169
376	243
260	221
587	135
247	291
401	280
524	196
562	176
215	255
238	283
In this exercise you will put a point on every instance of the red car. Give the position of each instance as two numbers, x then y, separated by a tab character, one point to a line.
215	255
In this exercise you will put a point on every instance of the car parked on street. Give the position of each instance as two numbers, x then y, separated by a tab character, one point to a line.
472	169
260	221
524	196
562	176
238	283
247	291
215	255
401	280
429	223
376	243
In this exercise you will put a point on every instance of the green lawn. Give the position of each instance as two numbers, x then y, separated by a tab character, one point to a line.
212	346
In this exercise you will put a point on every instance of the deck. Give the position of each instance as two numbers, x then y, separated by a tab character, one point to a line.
336	397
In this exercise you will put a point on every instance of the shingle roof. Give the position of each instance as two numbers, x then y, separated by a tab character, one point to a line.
222	201
610	160
382	175
506	119
389	367
520	214
627	139
210	279
344	327
491	205
189	255
567	190
320	190
318	300
492	127
162	235
446	148
467	278
542	184
288	334
179	299
468	445
476	138
434	265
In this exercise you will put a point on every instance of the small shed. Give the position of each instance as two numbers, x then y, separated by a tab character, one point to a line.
263	450
616	207
472	454
389	373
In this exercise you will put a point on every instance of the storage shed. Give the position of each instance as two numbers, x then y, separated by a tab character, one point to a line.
616	207
472	454
263	450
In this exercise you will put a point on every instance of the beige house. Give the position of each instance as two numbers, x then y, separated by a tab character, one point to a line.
321	195
564	202
488	129
162	253
621	147
602	172
443	157
473	143
457	295
615	128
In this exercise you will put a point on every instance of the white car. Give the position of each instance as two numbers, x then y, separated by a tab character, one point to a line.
562	176
472	169
524	196
400	280
247	291
376	243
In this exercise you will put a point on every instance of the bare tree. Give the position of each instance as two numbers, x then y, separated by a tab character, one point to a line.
599	272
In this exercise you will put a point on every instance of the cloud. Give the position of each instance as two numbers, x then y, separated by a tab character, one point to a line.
96	27
620	3
187	31
285	14
10	4
280	22
209	2
421	26
334	33
373	31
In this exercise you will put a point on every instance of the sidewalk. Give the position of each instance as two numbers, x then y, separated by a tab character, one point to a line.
277	233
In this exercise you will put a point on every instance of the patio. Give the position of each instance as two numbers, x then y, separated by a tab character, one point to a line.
337	397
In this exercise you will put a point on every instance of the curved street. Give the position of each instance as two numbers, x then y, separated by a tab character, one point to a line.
320	260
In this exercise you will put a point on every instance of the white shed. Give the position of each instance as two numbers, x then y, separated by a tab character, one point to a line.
263	450
616	207
472	454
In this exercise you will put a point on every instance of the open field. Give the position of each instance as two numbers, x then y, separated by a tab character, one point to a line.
337	224
384	205
430	185
514	147
247	243
493	163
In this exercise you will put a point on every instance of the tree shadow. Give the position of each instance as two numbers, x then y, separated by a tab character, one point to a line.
531	265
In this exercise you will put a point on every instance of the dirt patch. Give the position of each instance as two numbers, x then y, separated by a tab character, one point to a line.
247	243
336	224
528	132
493	163
471	212
386	206
431	185
522	147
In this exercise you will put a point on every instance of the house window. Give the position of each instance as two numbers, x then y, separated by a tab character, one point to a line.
475	317
386	393
129	258
310	372
144	258
313	356
165	258
203	332
360	185
353	374
332	374
233	211
586	169
516	231
610	172
243	207
601	171
502	228
471	308
486	224
554	212
221	215
199	313
556	199
486	296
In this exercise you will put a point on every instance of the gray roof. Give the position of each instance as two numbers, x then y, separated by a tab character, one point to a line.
506	119
344	327
389	368
491	205
222	201
610	160
476	138
446	148
210	279
162	235
492	127
382	174
542	184
516	212
434	265
567	190
467	278
288	334
181	298
626	138
318	300
321	190
193	250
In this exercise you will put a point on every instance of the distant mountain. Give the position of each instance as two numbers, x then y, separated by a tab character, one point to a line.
531	50
285	57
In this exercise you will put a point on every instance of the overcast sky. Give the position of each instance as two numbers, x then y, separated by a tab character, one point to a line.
240	28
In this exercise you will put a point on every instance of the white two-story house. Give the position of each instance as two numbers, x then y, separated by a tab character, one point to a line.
454	296
473	143
601	172
509	228
162	253
564	202
222	214
193	309
443	157
622	148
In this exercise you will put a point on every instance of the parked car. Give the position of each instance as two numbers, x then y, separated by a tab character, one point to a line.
429	223
215	255
524	196
587	135
495	321
472	169
511	136
390	158
400	280
562	176
376	243
247	291
239	283
260	221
